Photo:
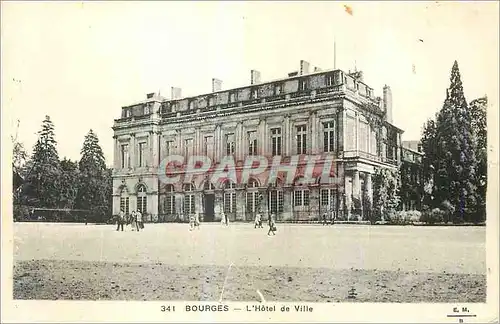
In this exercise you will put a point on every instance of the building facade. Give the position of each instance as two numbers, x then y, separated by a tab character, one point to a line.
411	171
330	113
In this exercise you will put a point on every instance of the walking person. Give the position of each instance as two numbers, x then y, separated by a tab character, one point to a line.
324	218
197	220
138	220
258	220
133	224
120	220
272	225
191	222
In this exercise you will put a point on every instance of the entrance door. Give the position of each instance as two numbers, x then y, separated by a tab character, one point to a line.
209	203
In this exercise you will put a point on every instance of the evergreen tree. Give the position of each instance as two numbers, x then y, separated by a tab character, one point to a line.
429	161
455	161
68	184
478	119
93	190
42	180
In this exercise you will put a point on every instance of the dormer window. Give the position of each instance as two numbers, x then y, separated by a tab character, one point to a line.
211	101
329	80
233	97
255	93
302	85
128	113
146	109
277	89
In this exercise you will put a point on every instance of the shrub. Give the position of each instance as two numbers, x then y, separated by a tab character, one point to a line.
414	216
434	216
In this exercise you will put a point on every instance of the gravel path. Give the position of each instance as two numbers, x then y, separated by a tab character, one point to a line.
86	280
302	262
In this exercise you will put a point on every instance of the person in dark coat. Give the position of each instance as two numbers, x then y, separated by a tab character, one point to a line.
120	220
272	225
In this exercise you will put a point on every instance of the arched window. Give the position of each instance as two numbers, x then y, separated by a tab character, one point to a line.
208	186
189	206
169	205
141	199
229	197
253	196
124	200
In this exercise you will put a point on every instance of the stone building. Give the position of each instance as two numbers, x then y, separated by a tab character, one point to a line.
332	113
412	182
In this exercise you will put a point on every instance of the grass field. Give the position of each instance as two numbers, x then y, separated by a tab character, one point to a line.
302	262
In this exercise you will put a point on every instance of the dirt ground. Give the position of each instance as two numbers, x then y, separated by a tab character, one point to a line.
84	280
339	263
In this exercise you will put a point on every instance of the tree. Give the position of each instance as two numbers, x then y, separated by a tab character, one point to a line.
385	192
94	187
42	181
449	145
478	120
68	184
429	160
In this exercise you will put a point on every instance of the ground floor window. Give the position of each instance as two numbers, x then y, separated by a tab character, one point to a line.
276	201
189	205
124	204
229	202
169	204
301	197
252	201
141	204
328	199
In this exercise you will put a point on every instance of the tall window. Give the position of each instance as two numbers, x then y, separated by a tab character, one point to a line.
229	197
169	206
276	141
124	201
230	144
255	94
252	196
275	199
209	146
328	199
142	154
350	133
301	139
189	206
252	143
364	136
188	147
124	156
141	199
169	146
328	137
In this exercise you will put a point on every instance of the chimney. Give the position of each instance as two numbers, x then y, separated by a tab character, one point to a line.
292	74
304	67
317	69
387	103
254	77
176	93
216	85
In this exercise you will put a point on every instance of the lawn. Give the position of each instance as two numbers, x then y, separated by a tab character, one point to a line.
302	262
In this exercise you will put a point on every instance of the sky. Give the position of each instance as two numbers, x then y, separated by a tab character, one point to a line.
80	62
